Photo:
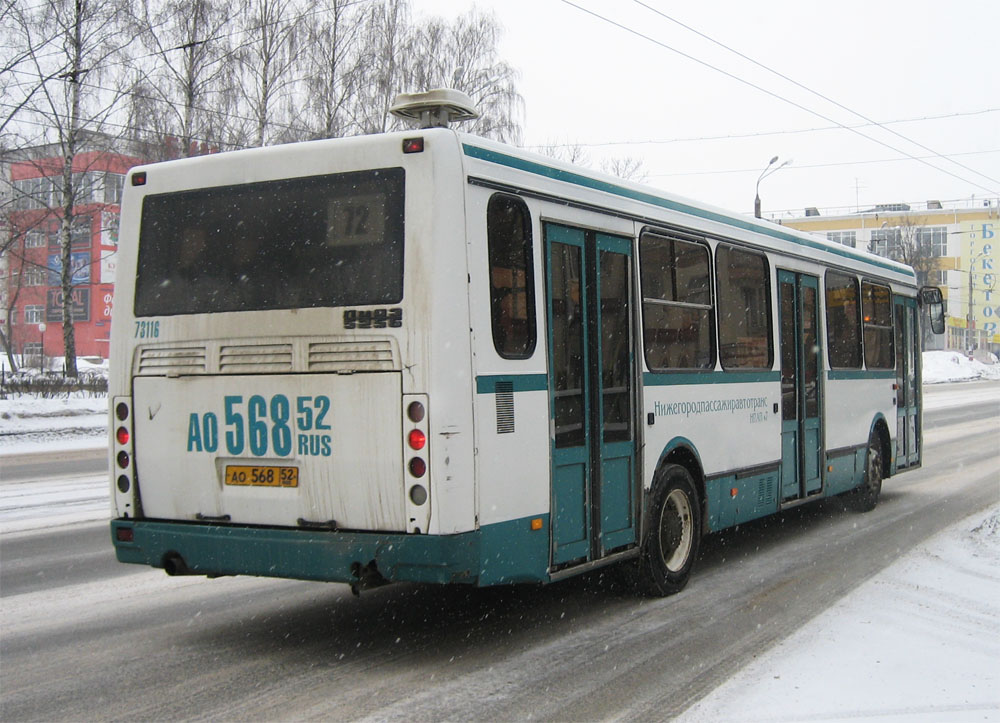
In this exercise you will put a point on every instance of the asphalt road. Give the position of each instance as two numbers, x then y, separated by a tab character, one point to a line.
85	638
59	464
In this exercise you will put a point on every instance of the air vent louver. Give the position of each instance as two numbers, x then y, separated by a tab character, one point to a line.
167	361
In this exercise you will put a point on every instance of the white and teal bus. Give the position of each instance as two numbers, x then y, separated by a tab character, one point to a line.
426	356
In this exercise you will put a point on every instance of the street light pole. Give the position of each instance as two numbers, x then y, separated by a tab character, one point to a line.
41	344
764	174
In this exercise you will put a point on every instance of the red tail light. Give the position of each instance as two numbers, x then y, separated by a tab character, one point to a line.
418	468
417	439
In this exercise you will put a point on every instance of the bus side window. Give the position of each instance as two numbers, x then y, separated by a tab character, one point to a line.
512	295
677	304
876	311
843	322
743	284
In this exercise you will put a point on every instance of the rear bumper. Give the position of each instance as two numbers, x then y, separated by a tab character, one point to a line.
208	549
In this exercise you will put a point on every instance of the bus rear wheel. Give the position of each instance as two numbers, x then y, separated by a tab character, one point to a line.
866	496
673	533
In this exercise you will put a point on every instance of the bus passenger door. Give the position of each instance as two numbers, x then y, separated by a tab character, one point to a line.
801	420
591	392
907	418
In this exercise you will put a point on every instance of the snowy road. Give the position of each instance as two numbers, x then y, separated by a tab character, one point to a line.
86	638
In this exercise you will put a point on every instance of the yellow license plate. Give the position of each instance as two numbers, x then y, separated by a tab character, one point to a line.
253	476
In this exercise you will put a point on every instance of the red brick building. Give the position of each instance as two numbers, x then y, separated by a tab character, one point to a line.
32	295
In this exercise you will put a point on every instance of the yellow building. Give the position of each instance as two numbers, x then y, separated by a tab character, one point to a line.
954	245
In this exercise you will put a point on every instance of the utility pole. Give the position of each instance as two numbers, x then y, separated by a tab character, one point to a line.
970	322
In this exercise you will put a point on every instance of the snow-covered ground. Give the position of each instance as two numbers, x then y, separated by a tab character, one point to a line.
951	366
29	424
919	642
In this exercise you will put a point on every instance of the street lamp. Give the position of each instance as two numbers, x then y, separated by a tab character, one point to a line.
764	174
41	344
970	318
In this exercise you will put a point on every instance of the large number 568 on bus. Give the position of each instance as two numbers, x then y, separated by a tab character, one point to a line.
426	356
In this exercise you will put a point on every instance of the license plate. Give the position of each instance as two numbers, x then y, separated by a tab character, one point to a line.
253	476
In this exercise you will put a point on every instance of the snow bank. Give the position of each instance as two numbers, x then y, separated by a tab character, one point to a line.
919	642
31	424
953	366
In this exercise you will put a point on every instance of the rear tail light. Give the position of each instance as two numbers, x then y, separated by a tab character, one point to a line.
417	439
418	468
124	475
416	412
416	475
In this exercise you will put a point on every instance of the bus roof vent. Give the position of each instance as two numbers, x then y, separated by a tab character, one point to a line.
435	108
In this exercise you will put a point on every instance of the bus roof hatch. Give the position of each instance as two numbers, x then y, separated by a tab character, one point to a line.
434	108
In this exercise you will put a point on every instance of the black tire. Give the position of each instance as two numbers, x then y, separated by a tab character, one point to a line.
672	533
865	497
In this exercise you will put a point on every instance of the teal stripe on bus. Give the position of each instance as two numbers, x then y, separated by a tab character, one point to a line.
856	374
653	379
487	384
557	174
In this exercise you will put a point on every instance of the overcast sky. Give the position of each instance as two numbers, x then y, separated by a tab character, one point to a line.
930	63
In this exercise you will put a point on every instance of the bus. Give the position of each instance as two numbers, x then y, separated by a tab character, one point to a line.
427	356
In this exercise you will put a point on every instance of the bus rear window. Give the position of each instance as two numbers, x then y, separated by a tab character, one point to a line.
331	240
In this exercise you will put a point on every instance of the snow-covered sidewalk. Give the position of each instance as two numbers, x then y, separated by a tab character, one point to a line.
919	642
31	425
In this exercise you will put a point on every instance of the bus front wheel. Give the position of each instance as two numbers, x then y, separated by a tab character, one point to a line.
673	533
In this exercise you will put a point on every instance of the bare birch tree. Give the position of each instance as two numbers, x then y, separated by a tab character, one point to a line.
385	42
465	55
628	168
568	152
330	66
70	45
267	59
179	103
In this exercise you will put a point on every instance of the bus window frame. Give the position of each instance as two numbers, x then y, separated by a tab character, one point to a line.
891	328
528	256
675	237
768	307
858	321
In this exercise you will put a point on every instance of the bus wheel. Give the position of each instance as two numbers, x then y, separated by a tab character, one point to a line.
672	536
866	496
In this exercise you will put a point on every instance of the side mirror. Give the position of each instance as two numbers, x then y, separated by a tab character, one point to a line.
930	296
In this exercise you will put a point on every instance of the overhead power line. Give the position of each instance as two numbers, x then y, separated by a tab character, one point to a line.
799	167
808	89
773	94
760	134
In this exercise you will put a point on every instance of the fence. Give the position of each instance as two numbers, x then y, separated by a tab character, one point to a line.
51	384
